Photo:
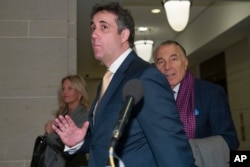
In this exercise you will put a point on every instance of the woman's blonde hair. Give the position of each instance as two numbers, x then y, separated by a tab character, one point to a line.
80	85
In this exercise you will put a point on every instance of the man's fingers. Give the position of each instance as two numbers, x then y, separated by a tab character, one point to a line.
70	122
60	123
85	125
56	129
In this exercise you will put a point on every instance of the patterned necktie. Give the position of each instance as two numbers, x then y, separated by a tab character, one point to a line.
105	82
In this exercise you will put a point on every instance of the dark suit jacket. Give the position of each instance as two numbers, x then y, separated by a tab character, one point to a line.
213	115
154	135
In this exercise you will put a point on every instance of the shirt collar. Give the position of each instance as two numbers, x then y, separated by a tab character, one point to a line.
176	88
117	63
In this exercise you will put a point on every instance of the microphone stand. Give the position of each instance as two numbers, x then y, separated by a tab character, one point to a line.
111	157
131	96
119	127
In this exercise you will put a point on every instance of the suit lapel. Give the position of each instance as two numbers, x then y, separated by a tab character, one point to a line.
115	83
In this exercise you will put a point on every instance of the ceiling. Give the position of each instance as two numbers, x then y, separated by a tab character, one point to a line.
213	26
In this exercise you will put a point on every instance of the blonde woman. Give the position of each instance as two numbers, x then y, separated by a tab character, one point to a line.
73	101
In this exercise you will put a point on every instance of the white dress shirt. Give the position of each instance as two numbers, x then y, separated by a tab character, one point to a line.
176	90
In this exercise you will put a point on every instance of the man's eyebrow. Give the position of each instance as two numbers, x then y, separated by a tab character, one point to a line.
173	55
102	21
159	58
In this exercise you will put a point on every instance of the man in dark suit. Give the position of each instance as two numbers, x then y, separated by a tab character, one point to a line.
203	106
154	135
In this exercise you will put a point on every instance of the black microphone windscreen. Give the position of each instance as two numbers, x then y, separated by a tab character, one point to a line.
134	88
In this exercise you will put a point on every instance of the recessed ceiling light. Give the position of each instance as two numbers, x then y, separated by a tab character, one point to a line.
143	29
155	11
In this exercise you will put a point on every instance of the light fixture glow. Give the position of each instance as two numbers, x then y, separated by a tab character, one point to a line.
155	11
177	13
142	29
144	49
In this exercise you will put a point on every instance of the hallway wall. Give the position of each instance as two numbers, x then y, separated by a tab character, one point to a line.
37	49
238	81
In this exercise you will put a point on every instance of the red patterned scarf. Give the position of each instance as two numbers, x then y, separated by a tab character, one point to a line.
185	104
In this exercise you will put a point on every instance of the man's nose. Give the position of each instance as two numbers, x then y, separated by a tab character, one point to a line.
167	66
94	33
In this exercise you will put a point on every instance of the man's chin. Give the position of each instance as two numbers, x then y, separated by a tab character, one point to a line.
98	56
171	82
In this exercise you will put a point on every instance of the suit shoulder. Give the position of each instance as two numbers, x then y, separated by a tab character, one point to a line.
139	66
135	67
207	86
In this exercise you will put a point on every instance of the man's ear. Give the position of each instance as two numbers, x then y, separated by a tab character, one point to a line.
186	63
125	35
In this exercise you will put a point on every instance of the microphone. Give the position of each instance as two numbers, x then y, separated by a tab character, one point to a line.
132	93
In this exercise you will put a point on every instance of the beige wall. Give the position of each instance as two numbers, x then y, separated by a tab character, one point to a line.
238	81
37	48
